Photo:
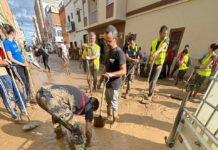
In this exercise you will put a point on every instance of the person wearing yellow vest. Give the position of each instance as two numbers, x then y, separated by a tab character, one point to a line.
132	58
157	57
93	57
183	65
205	69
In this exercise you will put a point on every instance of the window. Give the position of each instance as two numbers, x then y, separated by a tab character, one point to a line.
78	13
75	43
68	17
59	33
109	2
85	9
71	15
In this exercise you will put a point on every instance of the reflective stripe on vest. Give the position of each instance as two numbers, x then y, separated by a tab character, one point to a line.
184	64
96	61
205	72
160	58
136	49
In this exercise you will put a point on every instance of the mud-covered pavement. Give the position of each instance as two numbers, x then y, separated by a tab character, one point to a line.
140	127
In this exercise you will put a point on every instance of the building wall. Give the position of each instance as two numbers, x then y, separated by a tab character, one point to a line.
9	15
63	22
40	20
69	8
55	19
80	32
200	24
132	5
38	35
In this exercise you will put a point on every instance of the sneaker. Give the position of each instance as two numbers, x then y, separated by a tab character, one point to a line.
17	118
171	79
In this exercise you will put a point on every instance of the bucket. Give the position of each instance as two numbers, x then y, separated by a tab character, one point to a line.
99	121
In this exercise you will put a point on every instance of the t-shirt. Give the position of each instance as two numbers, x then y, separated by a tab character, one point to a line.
170	55
158	43
132	54
77	101
114	59
12	47
41	52
64	50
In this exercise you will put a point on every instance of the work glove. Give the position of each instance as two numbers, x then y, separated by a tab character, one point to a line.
88	58
197	67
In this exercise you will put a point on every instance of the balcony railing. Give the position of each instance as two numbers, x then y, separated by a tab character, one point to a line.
93	17
70	26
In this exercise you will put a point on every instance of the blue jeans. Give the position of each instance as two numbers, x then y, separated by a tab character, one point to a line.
84	64
10	95
111	97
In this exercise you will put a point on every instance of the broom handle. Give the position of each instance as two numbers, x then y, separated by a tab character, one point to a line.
103	94
152	64
12	75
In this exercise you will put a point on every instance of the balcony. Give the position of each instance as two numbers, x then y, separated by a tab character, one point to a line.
93	17
58	39
70	26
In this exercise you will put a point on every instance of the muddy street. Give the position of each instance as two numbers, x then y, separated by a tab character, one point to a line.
140	127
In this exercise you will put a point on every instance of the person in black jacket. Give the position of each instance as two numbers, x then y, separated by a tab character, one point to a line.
42	55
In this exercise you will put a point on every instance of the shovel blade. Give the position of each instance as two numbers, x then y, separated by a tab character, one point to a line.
30	126
99	122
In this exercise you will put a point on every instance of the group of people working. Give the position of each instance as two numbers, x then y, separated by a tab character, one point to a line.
63	101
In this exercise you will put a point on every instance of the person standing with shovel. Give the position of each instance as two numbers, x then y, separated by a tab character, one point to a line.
93	59
157	57
132	57
115	68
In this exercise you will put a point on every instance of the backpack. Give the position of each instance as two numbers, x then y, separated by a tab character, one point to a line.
189	63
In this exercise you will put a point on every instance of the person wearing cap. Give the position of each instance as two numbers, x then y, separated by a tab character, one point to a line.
62	102
132	58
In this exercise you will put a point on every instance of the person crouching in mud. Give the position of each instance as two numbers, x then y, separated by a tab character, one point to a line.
62	102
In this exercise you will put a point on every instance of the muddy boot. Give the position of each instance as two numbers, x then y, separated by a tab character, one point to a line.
58	131
115	118
109	114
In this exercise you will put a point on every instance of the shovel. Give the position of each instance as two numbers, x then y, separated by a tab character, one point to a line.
30	125
99	121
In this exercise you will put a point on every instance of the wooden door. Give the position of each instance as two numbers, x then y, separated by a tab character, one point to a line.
176	35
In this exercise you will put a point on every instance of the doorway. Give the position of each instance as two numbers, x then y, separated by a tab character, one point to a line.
176	35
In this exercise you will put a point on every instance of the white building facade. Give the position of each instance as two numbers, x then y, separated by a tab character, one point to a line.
79	14
70	19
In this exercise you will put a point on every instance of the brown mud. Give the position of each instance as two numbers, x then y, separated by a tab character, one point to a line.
140	127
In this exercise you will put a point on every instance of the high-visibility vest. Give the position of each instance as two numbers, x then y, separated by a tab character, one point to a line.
160	58
184	64
206	72
136	49
97	60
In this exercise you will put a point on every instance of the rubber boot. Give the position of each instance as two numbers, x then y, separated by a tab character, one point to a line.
109	114
58	131
115	118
